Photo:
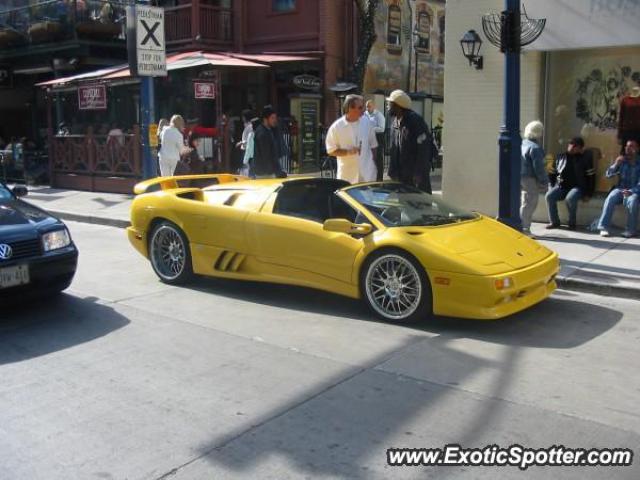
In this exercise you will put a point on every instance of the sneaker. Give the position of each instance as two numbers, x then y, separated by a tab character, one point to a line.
605	233
572	227
551	226
628	234
527	232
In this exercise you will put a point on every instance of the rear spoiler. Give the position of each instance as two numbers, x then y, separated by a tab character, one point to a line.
168	183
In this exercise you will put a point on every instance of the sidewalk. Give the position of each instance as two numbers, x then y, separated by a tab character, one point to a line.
607	266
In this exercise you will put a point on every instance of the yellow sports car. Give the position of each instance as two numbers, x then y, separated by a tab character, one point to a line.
407	254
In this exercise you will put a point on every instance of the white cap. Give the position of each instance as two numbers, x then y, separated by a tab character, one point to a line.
400	98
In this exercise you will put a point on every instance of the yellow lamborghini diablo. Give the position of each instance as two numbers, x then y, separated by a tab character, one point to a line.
405	253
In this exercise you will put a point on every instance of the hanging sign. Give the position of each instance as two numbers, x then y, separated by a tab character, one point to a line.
307	82
153	135
204	90
92	97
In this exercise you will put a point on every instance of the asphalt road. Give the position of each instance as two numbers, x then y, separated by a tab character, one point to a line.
123	377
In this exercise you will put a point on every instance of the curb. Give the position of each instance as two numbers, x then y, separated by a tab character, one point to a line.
567	283
75	217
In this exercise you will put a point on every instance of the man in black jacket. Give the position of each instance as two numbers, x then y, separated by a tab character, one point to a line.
267	146
572	178
411	144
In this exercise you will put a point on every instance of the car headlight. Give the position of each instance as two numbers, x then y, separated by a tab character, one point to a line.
504	283
56	239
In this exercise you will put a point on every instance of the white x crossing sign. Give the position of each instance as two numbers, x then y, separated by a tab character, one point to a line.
150	45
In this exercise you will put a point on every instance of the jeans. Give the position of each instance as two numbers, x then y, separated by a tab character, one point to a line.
571	198
631	204
529	200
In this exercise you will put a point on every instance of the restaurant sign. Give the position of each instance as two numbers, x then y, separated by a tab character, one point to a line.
92	97
204	90
307	82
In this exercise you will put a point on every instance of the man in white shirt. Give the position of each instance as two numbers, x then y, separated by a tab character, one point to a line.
377	119
352	140
172	145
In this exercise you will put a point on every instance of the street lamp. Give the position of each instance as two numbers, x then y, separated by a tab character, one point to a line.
471	43
510	30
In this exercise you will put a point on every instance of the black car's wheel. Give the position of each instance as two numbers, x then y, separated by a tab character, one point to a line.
170	254
396	287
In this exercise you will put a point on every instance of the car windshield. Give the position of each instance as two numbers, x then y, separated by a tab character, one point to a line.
398	205
5	193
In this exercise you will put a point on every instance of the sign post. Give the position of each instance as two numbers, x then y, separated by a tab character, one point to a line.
147	59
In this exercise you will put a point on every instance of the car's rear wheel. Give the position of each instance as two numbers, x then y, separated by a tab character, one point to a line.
396	287
170	254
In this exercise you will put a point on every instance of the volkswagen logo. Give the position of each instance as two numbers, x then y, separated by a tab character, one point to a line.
5	251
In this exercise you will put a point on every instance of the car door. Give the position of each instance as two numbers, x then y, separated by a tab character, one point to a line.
293	236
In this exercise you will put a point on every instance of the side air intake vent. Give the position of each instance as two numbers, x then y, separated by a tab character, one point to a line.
229	261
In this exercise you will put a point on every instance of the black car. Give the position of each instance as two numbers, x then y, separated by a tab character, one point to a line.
37	253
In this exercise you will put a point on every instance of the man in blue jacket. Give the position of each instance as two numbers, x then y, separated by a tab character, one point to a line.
627	192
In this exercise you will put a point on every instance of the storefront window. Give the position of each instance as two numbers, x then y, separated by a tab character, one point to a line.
283	5
585	91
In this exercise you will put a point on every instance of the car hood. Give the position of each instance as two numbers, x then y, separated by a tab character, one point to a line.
18	217
486	245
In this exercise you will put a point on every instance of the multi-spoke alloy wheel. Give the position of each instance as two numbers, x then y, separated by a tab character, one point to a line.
169	252
394	287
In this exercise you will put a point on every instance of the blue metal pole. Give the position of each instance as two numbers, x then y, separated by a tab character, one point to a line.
146	101
509	140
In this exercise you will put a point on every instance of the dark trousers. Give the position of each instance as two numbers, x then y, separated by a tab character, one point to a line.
424	184
380	156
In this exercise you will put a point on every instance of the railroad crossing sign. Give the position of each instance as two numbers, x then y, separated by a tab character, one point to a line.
150	45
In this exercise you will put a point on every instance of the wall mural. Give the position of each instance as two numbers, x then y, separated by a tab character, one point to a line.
407	30
599	93
585	88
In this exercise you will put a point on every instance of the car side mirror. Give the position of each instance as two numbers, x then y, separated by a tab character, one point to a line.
340	225
20	191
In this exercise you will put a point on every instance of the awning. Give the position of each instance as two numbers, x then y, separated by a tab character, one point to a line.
174	62
82	76
272	58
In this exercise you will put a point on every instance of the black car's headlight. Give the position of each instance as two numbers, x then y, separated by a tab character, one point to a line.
55	240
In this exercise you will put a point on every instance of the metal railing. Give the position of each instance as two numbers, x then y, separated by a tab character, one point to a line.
97	154
55	20
214	25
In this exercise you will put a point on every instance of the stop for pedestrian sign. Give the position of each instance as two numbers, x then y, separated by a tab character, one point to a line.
150	47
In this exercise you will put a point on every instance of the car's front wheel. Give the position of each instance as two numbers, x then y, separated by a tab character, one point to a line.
170	254
396	287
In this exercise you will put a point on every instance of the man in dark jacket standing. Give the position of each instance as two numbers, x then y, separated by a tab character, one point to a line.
572	178
267	146
411	144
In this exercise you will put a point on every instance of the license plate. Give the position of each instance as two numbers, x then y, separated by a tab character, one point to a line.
14	276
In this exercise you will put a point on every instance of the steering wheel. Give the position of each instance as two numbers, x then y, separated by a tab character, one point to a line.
392	215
